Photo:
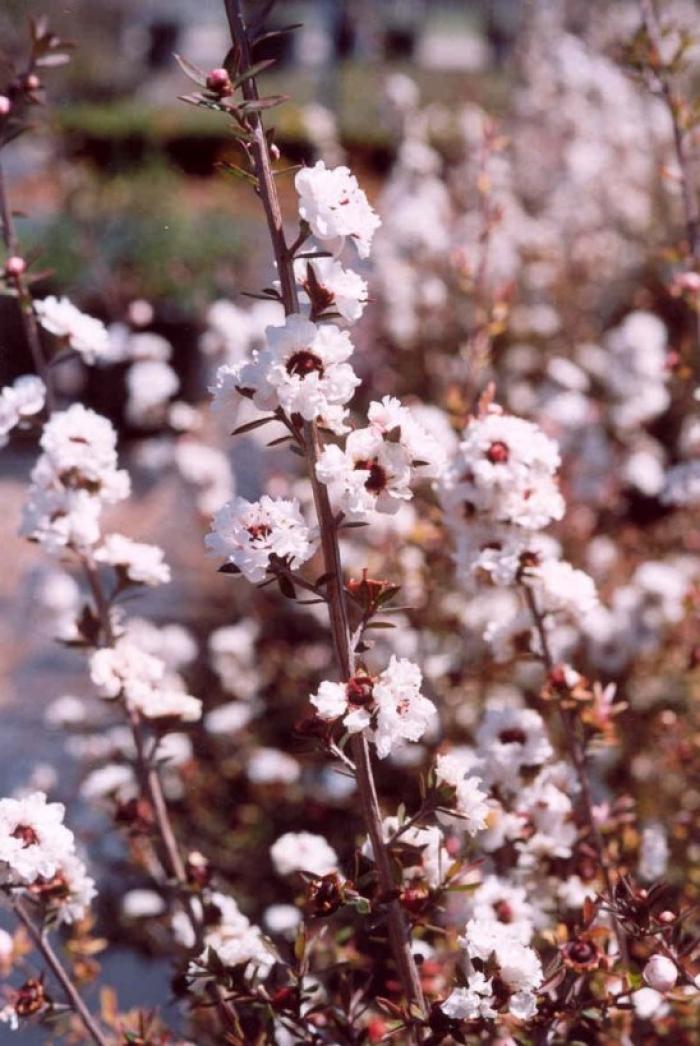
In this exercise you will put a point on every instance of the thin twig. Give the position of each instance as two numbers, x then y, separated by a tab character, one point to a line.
577	755
398	926
151	785
671	100
24	297
75	1001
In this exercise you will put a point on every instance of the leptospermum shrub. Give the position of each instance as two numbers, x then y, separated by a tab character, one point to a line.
434	781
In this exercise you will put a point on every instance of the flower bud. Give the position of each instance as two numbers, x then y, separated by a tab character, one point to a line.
31	82
218	82
660	973
15	266
198	870
5	105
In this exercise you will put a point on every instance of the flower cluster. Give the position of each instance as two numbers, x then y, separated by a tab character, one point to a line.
74	477
375	469
73	328
37	855
498	493
389	706
335	207
142	680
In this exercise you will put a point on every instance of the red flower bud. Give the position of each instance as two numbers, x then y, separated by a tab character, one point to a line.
219	83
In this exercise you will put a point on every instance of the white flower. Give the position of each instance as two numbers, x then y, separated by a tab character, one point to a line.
140	562
111	779
560	588
470	1003
151	384
653	853
164	702
371	474
236	941
61	518
470	801
142	904
303	852
75	890
390	417
34	842
283	919
228	718
304	369
519	966
79	445
509	739
499	899
498	551
25	397
83	333
124	668
403	713
682	484
649	1004
270	765
335	207
390	705
248	533
328	283
660	973
505	470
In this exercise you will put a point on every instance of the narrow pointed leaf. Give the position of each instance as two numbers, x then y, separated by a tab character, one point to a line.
250	425
193	72
255	70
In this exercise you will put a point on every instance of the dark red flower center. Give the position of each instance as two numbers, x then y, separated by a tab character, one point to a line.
359	690
376	481
504	912
27	834
259	530
498	453
304	362
513	735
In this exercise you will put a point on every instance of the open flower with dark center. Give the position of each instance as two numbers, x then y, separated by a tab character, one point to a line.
370	474
331	288
305	371
511	738
34	842
249	533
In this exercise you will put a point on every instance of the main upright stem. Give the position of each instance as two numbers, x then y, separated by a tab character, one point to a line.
399	930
